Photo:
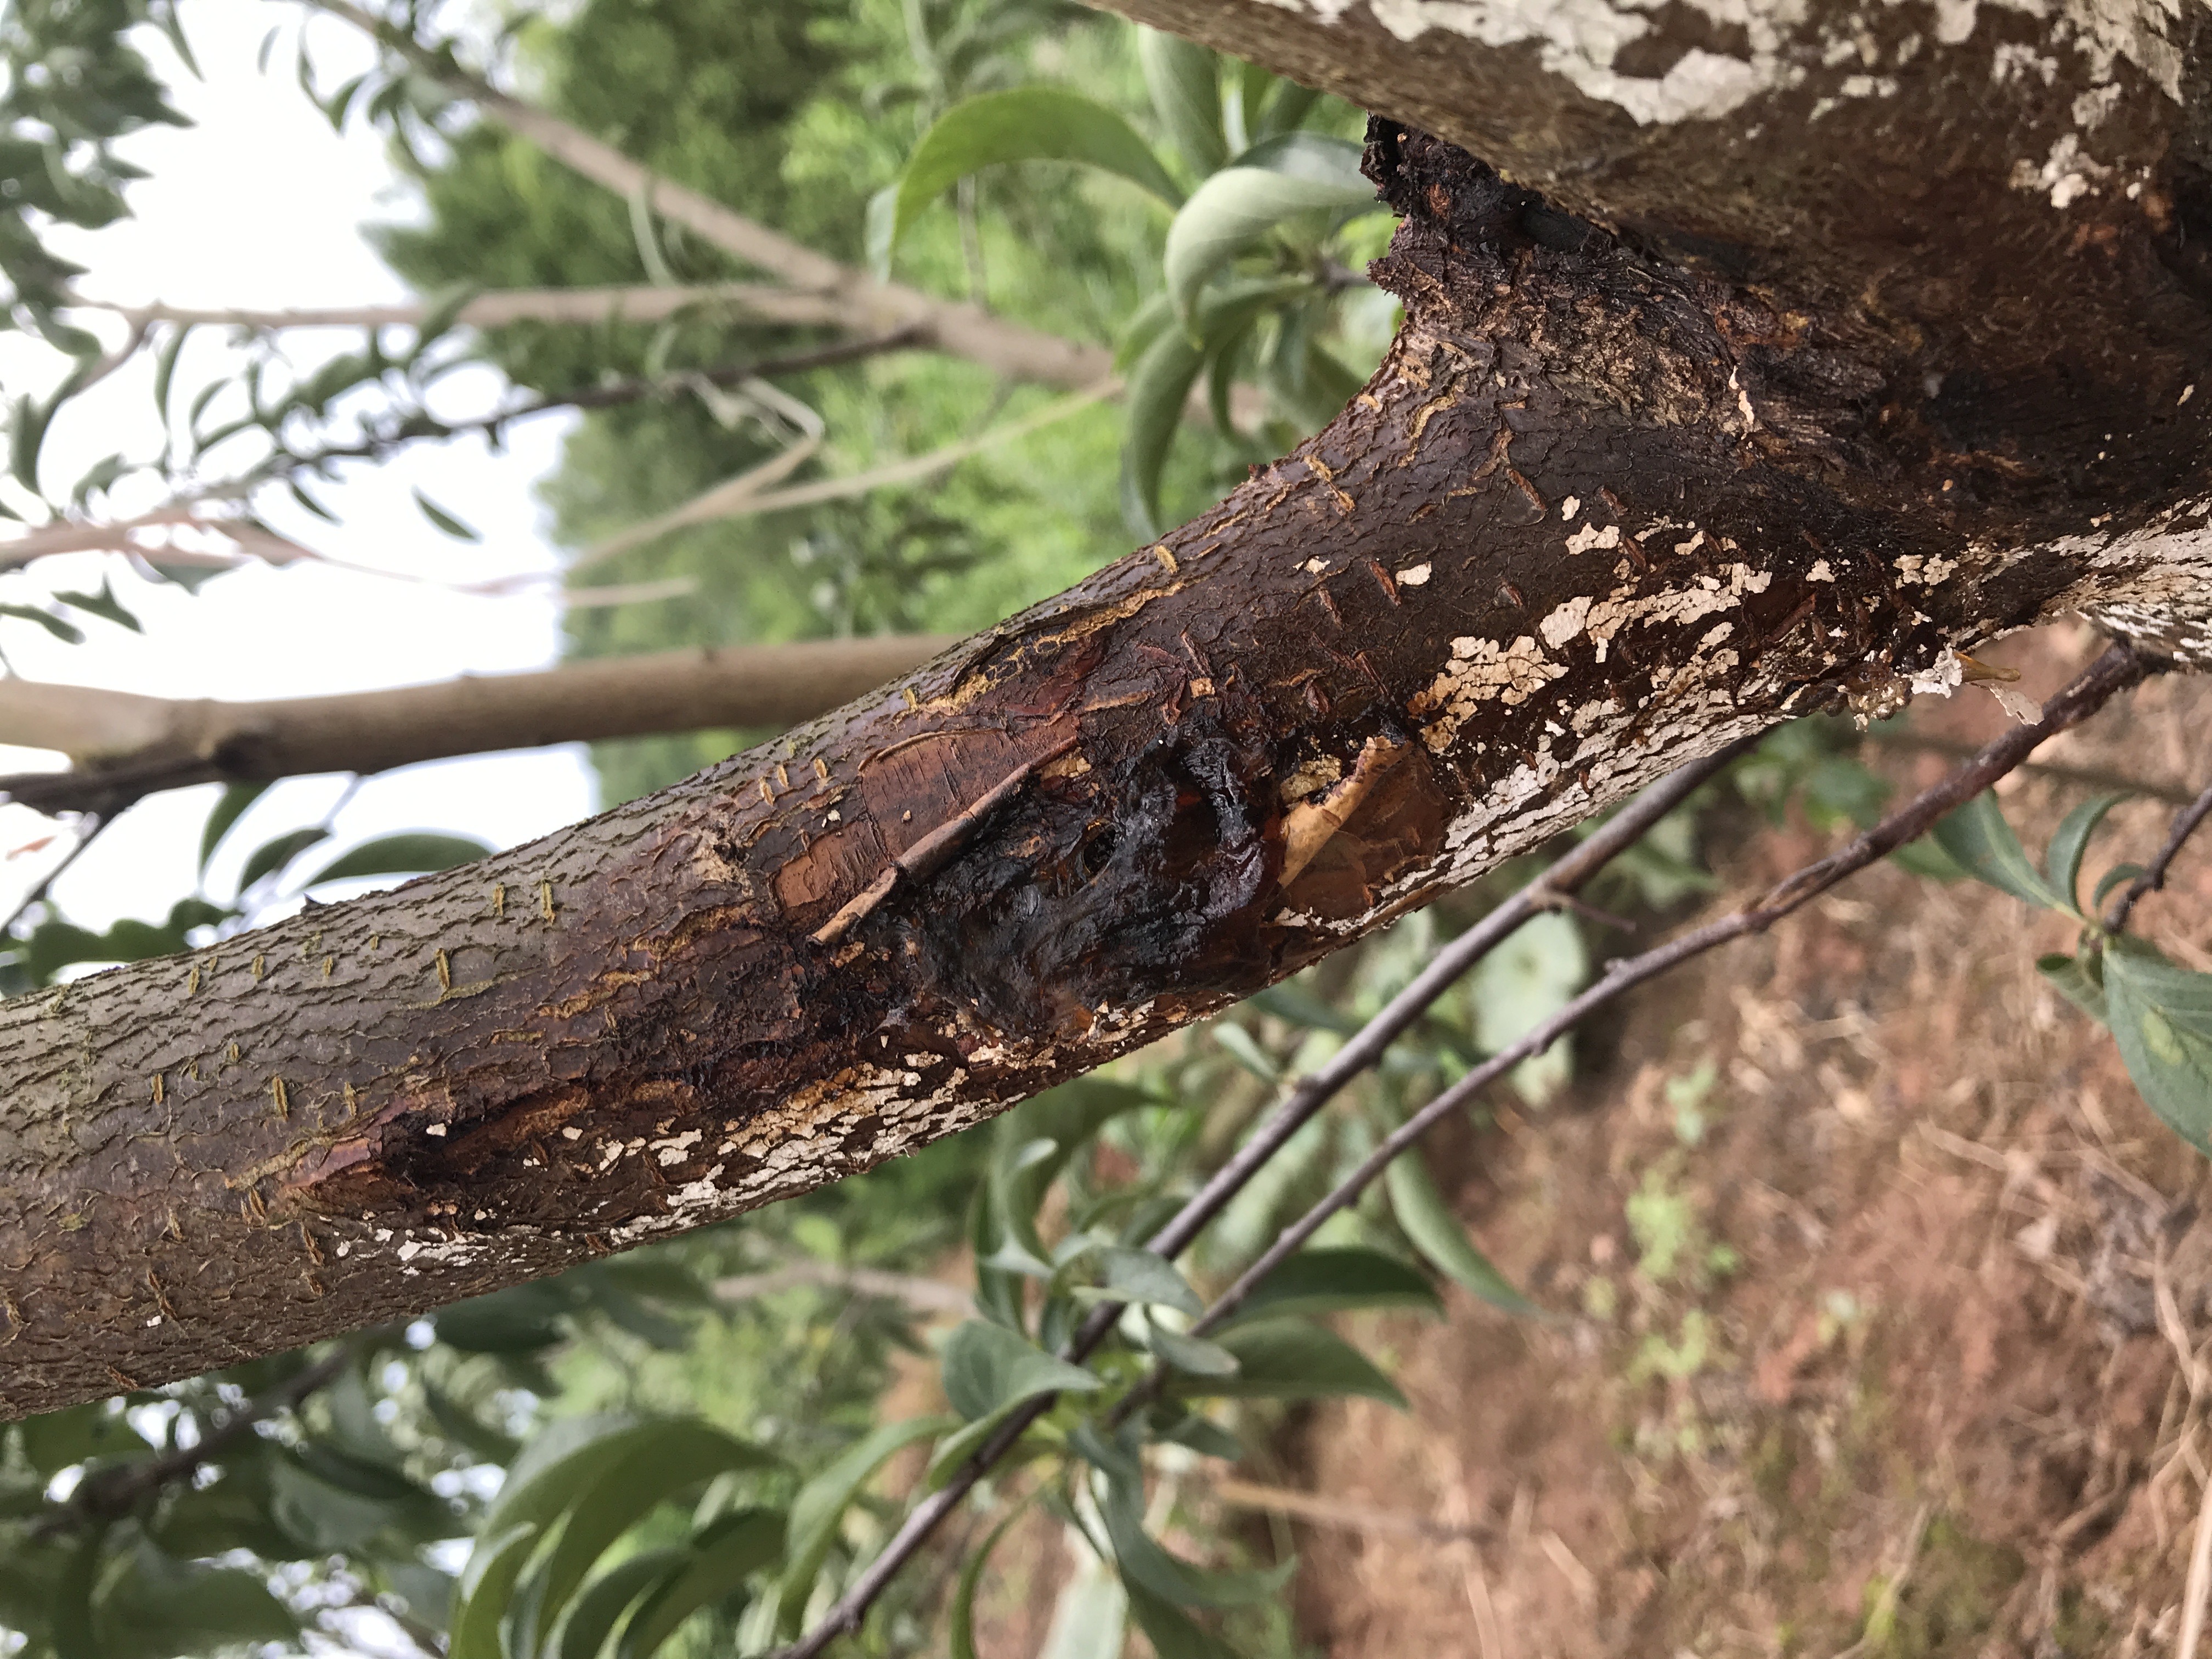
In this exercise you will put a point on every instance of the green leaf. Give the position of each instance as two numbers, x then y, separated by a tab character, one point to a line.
1290	1359
156	1609
521	1319
2161	1019
2119	876
1292	1002
401	854
1530	978
1436	1234
1237	204
1143	1277
1207	1439
102	605
1325	1280
658	1461
592	1617
1159	385
273	855
2061	860
165	367
1184	79
463	1428
63	629
721	1556
56	1440
821	1506
1024	124
1145	1564
988	1367
485	1587
1246	1052
1978	837
1172	1632
1192	1354
2071	977
27	432
444	520
960	1627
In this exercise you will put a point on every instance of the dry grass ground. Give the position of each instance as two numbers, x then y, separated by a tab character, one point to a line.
1883	1299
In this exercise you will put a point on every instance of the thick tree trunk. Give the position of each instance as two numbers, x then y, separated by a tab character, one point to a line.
126	745
1615	497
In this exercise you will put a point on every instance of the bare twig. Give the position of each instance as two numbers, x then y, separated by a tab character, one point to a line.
111	1494
127	745
2117	669
797	307
86	833
2186	824
1324	1511
2093	777
925	1295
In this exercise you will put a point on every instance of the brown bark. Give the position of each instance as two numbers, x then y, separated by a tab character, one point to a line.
1611	500
126	745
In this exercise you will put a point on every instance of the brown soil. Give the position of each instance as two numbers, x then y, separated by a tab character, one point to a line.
1874	1364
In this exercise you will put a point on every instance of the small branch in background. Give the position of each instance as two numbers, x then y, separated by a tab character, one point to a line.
2094	777
2153	879
408	429
748	494
763	302
111	1494
86	832
127	745
1323	1511
918	1295
2113	673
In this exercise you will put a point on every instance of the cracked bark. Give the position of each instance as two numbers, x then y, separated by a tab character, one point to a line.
1623	491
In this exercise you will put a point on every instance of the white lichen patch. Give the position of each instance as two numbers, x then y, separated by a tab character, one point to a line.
1414	575
2067	174
1590	536
1480	671
1917	570
1820	572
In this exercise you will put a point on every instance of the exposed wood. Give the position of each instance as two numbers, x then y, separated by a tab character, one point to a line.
126	745
1615	497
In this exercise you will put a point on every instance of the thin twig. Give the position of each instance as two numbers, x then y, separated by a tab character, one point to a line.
2094	777
111	1494
379	444
2115	671
2153	879
2197	1592
87	833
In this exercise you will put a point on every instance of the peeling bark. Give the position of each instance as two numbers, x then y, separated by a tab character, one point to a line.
1612	501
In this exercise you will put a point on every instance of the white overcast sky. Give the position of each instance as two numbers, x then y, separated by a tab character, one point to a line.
260	204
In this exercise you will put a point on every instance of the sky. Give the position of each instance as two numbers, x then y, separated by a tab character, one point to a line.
261	204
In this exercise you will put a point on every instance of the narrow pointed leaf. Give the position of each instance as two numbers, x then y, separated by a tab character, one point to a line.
1978	837
1292	1359
1024	124
720	1558
1237	204
1436	1234
1184	79
401	854
988	1367
2061	860
821	1506
1325	1280
273	855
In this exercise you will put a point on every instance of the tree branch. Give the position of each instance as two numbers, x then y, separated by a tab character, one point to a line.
922	1296
111	1494
498	308
126	745
2153	879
